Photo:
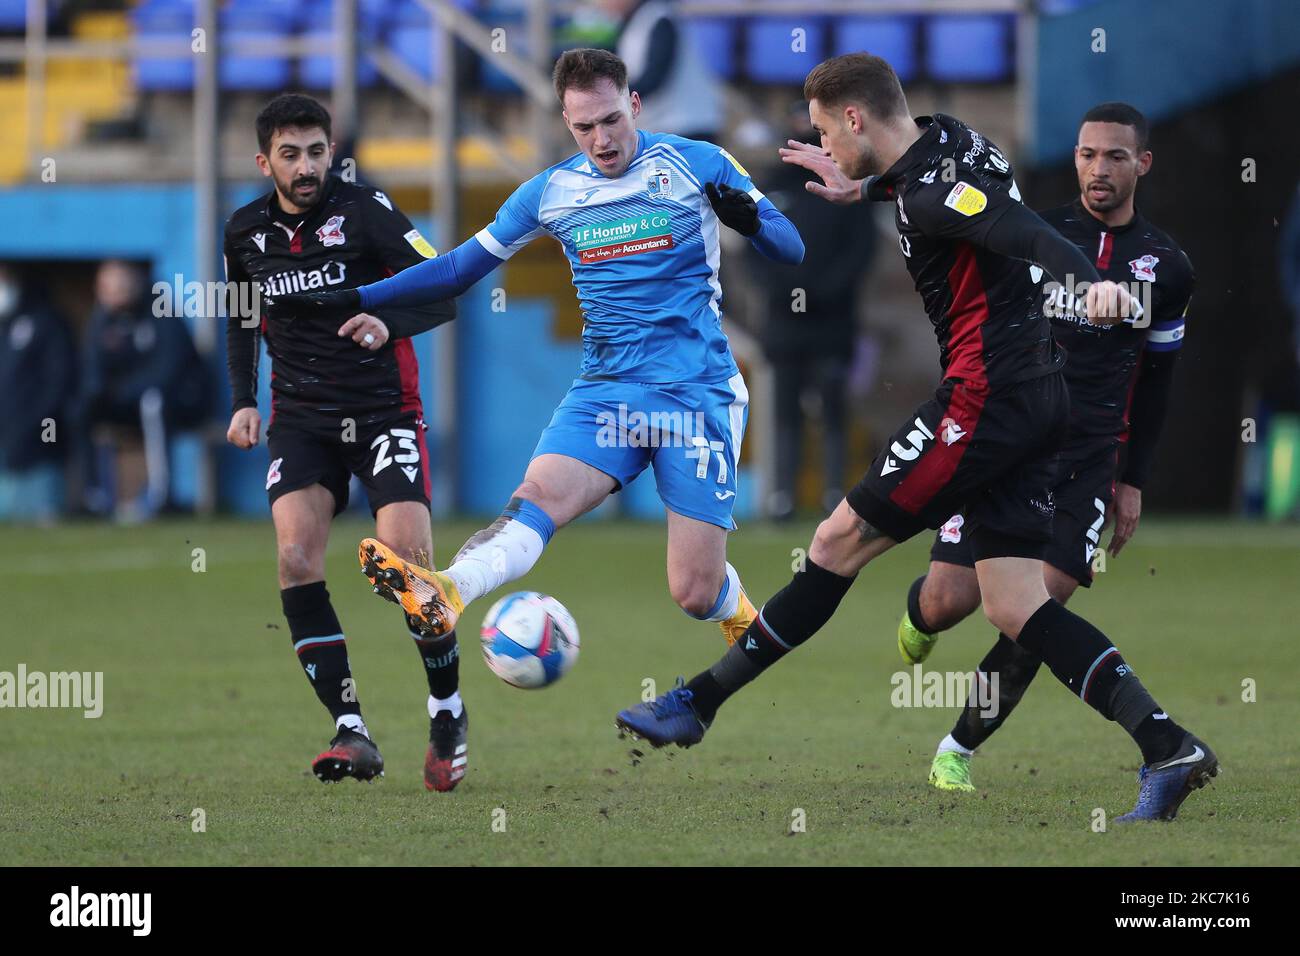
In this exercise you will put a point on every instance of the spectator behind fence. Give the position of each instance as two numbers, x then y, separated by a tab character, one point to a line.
678	93
141	380
807	324
37	364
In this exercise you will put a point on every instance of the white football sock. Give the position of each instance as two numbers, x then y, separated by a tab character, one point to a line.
507	555
949	744
352	722
452	704
731	602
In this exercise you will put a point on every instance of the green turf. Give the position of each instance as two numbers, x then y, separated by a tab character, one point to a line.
206	708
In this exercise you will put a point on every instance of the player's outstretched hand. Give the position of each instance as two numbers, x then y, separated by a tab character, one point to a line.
1127	508
837	187
245	428
323	304
366	330
734	207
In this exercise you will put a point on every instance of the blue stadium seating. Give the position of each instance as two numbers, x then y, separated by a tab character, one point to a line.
715	39
1054	7
413	46
411	13
13	14
969	49
251	14
240	72
164	19
316	71
511	19
405	13
894	38
768	54
946	48
317	16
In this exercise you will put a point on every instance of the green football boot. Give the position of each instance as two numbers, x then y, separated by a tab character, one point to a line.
914	646
951	771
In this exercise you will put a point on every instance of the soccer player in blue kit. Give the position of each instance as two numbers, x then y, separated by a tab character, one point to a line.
638	215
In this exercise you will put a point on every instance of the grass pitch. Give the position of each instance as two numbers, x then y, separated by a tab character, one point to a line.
206	708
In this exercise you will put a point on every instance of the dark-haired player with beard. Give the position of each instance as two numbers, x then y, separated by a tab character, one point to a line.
1119	377
987	442
345	401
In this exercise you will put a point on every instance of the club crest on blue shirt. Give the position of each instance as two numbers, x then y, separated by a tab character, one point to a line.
658	183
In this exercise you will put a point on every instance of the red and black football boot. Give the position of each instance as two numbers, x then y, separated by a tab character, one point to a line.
350	755
448	755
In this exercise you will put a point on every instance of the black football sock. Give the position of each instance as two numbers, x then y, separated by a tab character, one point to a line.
790	617
1085	661
322	651
914	607
441	657
1014	668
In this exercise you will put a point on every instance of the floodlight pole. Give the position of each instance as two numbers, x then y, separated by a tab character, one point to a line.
541	112
34	69
344	92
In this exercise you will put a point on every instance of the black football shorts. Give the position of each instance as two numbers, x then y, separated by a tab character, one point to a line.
1082	498
390	458
992	455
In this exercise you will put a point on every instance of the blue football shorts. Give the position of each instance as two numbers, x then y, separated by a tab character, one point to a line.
688	432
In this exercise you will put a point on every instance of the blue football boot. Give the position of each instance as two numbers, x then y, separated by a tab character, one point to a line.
668	719
1165	785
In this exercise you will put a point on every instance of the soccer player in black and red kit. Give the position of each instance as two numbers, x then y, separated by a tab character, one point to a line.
345	401
987	443
1119	378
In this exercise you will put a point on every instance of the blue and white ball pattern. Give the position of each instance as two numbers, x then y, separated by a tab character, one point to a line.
529	640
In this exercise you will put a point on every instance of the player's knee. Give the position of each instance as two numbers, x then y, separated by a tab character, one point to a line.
694	594
551	498
944	597
1060	586
297	566
945	604
410	546
845	542
830	542
1007	613
531	490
